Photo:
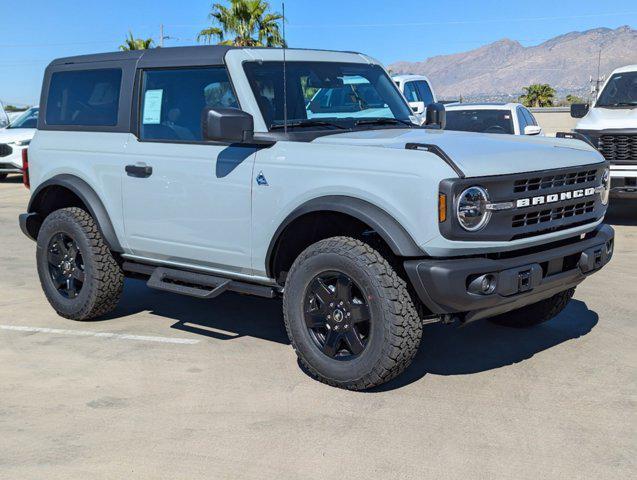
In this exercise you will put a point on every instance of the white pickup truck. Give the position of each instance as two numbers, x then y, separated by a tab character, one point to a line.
611	126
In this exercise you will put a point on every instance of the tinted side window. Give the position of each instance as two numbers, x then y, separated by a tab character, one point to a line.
87	98
522	121
173	99
425	92
530	119
410	92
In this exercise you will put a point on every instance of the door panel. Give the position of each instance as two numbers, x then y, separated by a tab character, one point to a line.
195	205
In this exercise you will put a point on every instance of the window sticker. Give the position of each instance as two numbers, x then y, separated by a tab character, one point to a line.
152	107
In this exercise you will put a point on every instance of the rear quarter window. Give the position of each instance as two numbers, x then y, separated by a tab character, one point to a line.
84	98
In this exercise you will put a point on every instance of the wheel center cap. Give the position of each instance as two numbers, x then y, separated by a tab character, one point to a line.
66	266
338	315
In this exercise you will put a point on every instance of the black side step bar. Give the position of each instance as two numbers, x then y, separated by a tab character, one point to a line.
198	285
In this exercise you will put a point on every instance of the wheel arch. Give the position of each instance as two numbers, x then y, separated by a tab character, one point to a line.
67	190
375	218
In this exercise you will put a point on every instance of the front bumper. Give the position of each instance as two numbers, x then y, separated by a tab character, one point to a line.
443	284
623	185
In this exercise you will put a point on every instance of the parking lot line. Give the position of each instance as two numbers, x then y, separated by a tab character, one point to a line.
85	333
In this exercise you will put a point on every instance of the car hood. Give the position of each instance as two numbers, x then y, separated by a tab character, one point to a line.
9	135
479	154
608	118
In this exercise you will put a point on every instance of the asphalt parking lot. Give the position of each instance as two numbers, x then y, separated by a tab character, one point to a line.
172	387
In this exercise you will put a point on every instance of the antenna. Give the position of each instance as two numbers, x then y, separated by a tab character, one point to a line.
285	79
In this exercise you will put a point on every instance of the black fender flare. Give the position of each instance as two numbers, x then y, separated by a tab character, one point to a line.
90	199
389	229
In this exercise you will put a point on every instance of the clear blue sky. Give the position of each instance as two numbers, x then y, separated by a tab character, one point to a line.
36	31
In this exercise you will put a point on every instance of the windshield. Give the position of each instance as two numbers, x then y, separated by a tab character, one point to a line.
620	91
28	119
481	121
327	95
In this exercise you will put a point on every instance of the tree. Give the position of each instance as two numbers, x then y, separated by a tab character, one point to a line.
248	21
132	43
538	95
570	99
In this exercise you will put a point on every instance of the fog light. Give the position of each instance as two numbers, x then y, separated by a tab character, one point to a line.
484	284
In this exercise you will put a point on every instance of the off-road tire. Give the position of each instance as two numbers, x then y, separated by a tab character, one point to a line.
535	313
395	327
104	279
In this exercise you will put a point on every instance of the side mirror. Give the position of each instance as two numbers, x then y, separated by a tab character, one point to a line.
579	110
417	107
436	116
227	125
532	130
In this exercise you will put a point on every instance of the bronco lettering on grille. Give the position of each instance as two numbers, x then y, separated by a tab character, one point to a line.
555	197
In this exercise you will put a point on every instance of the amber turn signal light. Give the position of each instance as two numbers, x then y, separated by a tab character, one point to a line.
442	207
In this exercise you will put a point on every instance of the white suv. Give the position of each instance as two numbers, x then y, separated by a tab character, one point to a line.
15	138
192	169
507	118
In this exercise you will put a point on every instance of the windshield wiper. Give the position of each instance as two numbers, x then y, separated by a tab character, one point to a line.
308	123
383	121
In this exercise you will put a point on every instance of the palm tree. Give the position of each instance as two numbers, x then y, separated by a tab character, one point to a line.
248	21
538	95
132	43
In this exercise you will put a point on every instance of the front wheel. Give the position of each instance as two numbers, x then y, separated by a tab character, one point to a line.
535	313
3	176
78	273
349	316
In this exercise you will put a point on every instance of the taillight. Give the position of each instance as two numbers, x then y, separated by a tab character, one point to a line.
25	168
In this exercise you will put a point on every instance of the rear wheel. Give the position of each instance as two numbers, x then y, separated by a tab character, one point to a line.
535	313
3	176
77	271
349	316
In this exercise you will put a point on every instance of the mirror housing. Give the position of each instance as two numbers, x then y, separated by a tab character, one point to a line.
532	130
227	125
436	116
579	110
417	107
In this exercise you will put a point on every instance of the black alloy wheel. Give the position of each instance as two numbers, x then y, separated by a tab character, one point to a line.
337	315
66	265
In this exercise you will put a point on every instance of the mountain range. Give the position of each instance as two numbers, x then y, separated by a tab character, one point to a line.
503	68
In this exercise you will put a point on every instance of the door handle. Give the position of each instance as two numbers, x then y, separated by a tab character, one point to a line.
139	171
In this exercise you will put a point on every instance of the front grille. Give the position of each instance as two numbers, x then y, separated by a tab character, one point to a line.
618	148
553	214
553	181
5	150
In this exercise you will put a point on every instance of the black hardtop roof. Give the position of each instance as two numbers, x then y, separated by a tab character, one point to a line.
208	53
171	56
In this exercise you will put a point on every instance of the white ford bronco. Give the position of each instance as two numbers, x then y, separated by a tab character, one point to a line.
210	169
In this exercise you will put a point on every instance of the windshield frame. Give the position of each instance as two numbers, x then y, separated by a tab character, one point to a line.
340	122
606	86
23	116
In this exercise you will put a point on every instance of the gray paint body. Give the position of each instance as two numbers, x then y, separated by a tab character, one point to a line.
203	209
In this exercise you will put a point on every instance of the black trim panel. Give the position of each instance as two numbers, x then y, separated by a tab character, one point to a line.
382	222
88	196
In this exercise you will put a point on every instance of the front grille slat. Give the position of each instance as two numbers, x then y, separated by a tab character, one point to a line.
553	181
5	150
553	214
618	148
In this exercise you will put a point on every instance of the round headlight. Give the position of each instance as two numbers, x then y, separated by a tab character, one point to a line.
605	193
472	210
